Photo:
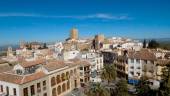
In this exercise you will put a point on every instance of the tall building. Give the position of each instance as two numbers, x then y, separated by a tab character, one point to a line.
98	40
74	34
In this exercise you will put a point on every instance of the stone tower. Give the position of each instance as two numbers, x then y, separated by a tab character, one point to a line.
74	34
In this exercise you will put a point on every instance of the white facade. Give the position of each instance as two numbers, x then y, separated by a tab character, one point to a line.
42	86
11	88
132	45
70	54
134	68
96	61
138	67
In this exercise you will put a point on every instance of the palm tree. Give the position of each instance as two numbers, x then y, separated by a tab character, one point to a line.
96	89
109	73
122	89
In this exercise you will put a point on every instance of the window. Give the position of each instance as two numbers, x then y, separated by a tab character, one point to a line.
19	72
54	92
84	68
81	80
100	60
145	61
64	87
59	90
38	87
58	79
81	68
25	90
67	75
7	90
85	79
63	77
32	90
53	81
45	94
138	73
132	60
132	73
132	67
97	61
137	61
15	92
44	83
68	85
1	88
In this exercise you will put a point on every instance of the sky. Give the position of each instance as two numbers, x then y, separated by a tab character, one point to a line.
52	20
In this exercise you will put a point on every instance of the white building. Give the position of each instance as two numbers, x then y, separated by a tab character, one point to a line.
70	54
141	63
96	61
132	45
39	78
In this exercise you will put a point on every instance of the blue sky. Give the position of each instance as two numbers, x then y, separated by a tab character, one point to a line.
51	20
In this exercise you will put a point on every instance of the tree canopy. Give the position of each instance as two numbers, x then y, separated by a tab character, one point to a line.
153	44
109	73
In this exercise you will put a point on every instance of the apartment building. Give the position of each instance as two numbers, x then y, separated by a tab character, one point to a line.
121	66
141	63
96	63
85	68
39	78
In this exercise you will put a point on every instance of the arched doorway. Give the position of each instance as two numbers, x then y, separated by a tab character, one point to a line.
59	90
54	92
58	79
68	85
64	87
53	81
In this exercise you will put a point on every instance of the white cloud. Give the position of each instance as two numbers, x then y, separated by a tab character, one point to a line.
92	16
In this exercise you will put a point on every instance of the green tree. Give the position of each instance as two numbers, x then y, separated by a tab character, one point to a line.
96	89
143	86
153	44
144	43
109	73
122	89
45	46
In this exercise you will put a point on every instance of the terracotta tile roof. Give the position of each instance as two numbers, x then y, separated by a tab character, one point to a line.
5	68
143	54
34	76
32	63
19	79
80	62
163	62
55	65
11	78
